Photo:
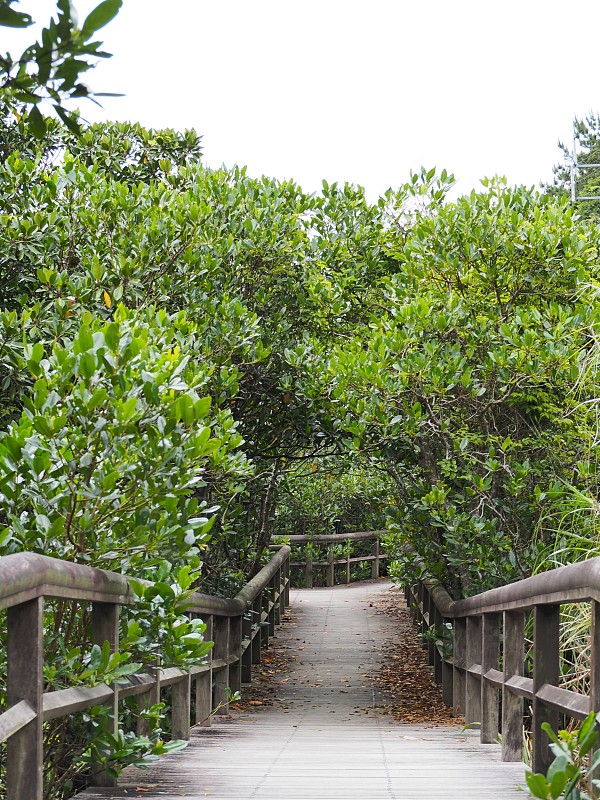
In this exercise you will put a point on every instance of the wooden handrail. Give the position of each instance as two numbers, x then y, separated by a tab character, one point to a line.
488	631
26	579
330	564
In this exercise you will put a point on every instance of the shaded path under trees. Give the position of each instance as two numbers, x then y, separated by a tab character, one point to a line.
319	731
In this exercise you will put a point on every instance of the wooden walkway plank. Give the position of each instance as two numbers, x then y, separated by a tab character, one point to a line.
322	738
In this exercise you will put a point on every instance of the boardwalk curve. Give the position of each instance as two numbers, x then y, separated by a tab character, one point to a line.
322	739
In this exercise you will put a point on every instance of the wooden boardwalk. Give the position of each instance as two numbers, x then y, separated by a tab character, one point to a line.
321	738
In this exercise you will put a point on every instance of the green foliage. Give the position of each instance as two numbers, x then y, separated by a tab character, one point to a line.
50	69
572	768
111	447
192	360
331	495
158	630
464	384
111	752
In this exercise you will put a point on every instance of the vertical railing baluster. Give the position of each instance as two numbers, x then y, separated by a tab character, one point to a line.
148	699
25	679
288	581
437	656
221	674
277	596
595	657
105	628
235	650
257	630
282	588
375	562
348	550
594	677
330	569
490	655
429	640
546	629
308	576
447	674
203	681
264	615
181	708
459	658
247	655
270	595
473	685
513	656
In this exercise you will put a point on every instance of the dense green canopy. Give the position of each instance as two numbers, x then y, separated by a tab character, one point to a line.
194	360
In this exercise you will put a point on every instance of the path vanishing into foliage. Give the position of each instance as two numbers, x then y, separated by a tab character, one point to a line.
319	728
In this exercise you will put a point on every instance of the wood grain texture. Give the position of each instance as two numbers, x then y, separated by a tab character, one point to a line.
323	737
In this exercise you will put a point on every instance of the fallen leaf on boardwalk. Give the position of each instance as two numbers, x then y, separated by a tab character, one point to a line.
266	676
405	679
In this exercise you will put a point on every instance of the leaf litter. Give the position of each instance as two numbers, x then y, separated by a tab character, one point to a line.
405	679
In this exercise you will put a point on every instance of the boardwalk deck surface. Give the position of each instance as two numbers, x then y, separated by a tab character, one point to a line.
322	739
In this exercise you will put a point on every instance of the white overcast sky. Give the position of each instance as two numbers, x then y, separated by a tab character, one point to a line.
357	91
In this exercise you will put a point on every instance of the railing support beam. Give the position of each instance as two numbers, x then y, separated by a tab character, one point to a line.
24	778
105	628
473	681
545	670
512	704
460	660
490	654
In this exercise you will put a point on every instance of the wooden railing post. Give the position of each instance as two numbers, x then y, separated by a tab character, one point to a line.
375	563
490	654
473	678
412	603
512	704
105	628
420	604
148	698
429	608
181	708
24	778
447	676
203	681
308	576
348	549
459	682
330	569
282	592
595	658
594	676
257	639
265	627
437	656
277	596
247	655
235	650
271	605
221	673
288	581
545	670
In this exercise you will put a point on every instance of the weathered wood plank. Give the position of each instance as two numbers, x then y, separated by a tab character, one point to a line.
512	701
323	737
546	627
24	682
15	718
68	701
